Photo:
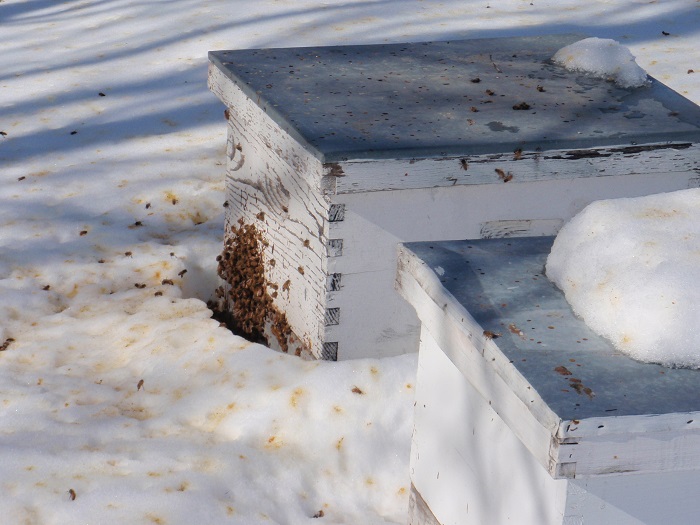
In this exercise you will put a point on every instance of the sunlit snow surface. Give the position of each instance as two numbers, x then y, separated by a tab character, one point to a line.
112	184
630	268
603	58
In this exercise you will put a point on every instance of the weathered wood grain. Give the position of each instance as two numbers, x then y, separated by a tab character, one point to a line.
382	175
275	183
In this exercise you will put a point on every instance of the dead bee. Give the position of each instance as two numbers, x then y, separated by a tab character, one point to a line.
301	270
140	285
139	385
471	122
83	232
3	133
473	109
475	80
260	216
518	154
307	243
515	330
540	89
71	494
505	177
183	272
21	178
46	288
137	224
489	93
227	114
521	106
464	164
285	286
226	204
158	293
665	33
148	205
101	261
488	334
563	371
127	254
167	281
357	390
174	201
319	514
7	342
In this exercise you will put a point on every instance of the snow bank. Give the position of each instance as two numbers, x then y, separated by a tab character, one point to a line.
604	58
630	268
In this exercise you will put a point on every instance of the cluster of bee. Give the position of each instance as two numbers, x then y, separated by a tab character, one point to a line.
246	302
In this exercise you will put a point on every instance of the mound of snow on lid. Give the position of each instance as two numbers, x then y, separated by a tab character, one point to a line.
630	268
604	58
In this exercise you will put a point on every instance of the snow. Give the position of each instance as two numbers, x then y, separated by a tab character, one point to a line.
630	268
112	176
602	58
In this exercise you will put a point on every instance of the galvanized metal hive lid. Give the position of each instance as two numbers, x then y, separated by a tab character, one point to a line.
579	374
462	97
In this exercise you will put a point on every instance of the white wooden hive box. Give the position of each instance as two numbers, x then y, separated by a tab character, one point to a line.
336	154
525	415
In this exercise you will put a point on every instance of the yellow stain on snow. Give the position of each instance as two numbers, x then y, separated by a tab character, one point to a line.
274	443
156	519
339	443
296	395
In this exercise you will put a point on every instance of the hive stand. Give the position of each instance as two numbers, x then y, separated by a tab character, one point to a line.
523	414
336	154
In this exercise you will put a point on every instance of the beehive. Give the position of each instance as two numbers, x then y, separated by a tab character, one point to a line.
523	414
336	154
